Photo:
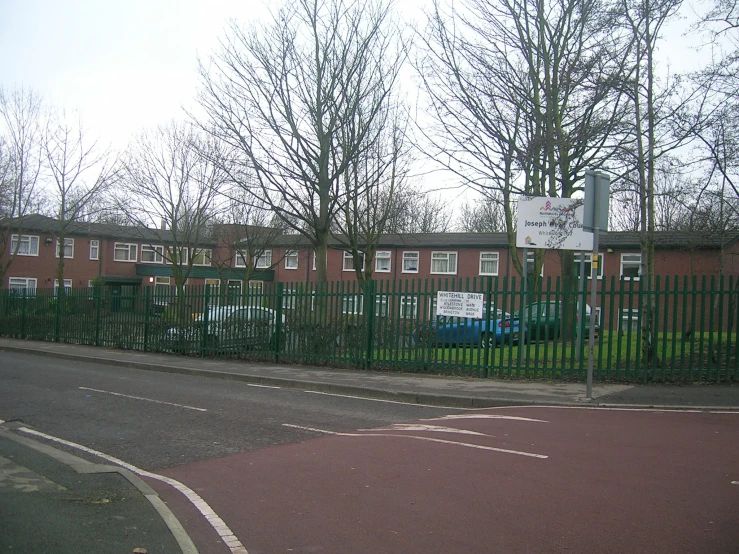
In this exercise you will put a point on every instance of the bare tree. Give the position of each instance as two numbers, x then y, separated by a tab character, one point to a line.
80	173
300	99
487	215
172	191
373	184
21	160
523	95
417	211
248	230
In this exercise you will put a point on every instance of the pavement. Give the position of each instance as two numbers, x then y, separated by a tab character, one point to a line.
99	508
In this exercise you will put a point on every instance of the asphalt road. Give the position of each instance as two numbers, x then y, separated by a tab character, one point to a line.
294	471
156	420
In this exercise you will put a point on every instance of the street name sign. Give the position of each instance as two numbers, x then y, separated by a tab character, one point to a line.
459	304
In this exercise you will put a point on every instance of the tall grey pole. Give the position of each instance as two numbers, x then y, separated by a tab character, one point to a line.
593	292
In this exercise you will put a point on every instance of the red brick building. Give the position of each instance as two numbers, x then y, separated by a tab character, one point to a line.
133	257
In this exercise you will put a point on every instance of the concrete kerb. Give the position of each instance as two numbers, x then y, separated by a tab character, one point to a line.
84	467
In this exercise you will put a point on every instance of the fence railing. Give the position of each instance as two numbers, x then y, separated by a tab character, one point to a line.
392	325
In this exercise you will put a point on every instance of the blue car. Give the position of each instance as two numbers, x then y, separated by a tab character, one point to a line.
452	331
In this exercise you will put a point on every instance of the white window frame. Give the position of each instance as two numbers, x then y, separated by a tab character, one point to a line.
95	247
291	256
349	261
352	304
381	303
206	254
184	254
437	256
632	323
405	303
30	239
383	255
408	256
494	257
314	260
589	267
631	263
289	297
157	250
240	259
531	259
128	247
67	286
15	285
68	242
264	261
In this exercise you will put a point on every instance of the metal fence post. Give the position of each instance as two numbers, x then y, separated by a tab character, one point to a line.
369	308
486	345
23	314
204	332
147	303
58	313
278	323
98	292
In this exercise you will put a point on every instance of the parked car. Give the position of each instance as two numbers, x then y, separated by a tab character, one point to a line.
452	331
230	328
544	320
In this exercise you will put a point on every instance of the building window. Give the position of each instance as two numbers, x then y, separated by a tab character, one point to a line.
152	254
19	284
381	305
444	263
352	304
202	257
588	265
27	246
349	261
178	255
408	307
289	299
631	266
382	262
67	286
264	261
489	263
68	248
410	262
531	263
94	249
240	260
162	287
124	252
291	259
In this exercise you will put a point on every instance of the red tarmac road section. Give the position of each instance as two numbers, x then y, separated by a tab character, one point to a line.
606	481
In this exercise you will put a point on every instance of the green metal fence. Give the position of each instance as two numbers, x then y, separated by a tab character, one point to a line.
393	326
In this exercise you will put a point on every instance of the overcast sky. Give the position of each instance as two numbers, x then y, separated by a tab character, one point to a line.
129	64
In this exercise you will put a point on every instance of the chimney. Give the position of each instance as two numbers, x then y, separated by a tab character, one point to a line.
164	224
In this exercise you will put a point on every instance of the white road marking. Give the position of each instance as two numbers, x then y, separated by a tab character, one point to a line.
381	400
146	399
427	439
607	408
201	505
484	416
422	427
735	482
262	386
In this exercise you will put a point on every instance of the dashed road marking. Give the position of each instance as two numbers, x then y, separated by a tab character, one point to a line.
427	439
229	539
145	399
423	427
262	386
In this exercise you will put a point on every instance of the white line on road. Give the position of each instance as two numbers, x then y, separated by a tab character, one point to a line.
423	427
428	439
484	416
381	400
146	399
262	386
201	505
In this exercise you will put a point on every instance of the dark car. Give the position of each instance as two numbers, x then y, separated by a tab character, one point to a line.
544	320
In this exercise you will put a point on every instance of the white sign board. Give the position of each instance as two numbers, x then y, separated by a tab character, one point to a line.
552	223
459	304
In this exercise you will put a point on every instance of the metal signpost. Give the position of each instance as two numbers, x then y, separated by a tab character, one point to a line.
595	218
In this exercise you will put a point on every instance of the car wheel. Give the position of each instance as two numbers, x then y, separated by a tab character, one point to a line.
488	339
